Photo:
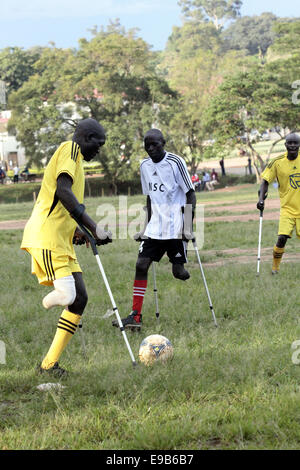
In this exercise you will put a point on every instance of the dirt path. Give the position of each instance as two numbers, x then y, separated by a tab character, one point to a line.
12	224
270	212
274	215
228	256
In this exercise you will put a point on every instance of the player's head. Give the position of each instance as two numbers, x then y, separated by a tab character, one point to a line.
292	143
154	143
90	136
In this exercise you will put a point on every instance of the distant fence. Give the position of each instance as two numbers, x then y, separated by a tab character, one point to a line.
94	187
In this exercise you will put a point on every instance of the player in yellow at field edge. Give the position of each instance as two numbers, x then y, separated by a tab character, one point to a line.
286	170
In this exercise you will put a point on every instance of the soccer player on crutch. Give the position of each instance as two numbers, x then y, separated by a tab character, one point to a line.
286	170
168	187
53	228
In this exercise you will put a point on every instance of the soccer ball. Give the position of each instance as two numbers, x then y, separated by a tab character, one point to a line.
155	348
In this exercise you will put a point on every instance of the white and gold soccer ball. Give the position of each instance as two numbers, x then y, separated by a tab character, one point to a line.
155	348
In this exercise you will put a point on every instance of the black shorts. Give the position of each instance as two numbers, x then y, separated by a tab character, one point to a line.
155	249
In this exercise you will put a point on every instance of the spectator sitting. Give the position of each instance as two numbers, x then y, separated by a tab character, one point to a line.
214	180
25	173
206	183
196	182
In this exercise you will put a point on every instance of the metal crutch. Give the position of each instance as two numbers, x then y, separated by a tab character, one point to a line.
82	338
155	290
95	251
259	241
204	280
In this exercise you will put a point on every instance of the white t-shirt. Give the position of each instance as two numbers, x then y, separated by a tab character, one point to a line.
166	183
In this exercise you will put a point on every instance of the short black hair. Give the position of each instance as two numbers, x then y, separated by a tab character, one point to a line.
155	133
89	125
292	136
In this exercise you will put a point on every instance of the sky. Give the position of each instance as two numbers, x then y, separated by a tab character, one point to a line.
64	22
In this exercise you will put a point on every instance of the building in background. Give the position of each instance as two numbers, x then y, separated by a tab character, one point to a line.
11	152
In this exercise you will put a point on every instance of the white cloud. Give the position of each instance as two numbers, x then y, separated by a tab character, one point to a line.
37	9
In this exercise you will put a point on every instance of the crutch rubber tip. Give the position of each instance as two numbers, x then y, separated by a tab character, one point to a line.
134	364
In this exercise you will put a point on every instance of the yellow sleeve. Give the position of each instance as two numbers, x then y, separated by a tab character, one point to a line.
67	158
270	173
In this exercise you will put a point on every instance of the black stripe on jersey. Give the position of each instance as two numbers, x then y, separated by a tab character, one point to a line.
181	168
171	168
74	151
145	160
46	266
54	204
275	160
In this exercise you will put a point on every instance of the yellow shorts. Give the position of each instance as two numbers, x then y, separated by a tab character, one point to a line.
48	265
287	225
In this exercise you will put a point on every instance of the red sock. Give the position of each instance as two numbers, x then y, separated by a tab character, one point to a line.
139	289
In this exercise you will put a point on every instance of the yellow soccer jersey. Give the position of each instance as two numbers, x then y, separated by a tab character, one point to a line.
50	225
287	173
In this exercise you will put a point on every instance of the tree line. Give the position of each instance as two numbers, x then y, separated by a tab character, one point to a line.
219	77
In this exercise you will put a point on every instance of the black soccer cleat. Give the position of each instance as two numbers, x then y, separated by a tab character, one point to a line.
56	371
130	322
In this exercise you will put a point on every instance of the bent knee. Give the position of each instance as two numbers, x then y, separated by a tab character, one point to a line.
80	301
282	239
142	265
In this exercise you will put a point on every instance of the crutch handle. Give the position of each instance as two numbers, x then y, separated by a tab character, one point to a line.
90	237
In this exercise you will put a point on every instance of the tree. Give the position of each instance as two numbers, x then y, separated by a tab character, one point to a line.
254	34
196	82
194	63
215	11
111	78
259	98
16	66
38	123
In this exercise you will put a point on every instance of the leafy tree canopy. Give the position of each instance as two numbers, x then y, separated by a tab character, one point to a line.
215	11
16	66
254	34
111	78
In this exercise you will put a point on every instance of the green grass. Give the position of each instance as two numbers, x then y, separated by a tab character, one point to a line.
232	387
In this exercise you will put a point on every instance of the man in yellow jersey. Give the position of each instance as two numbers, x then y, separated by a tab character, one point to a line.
52	228
286	170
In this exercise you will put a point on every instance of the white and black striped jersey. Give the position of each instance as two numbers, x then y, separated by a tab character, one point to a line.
166	183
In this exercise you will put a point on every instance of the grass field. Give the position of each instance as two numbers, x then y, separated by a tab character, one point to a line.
232	387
